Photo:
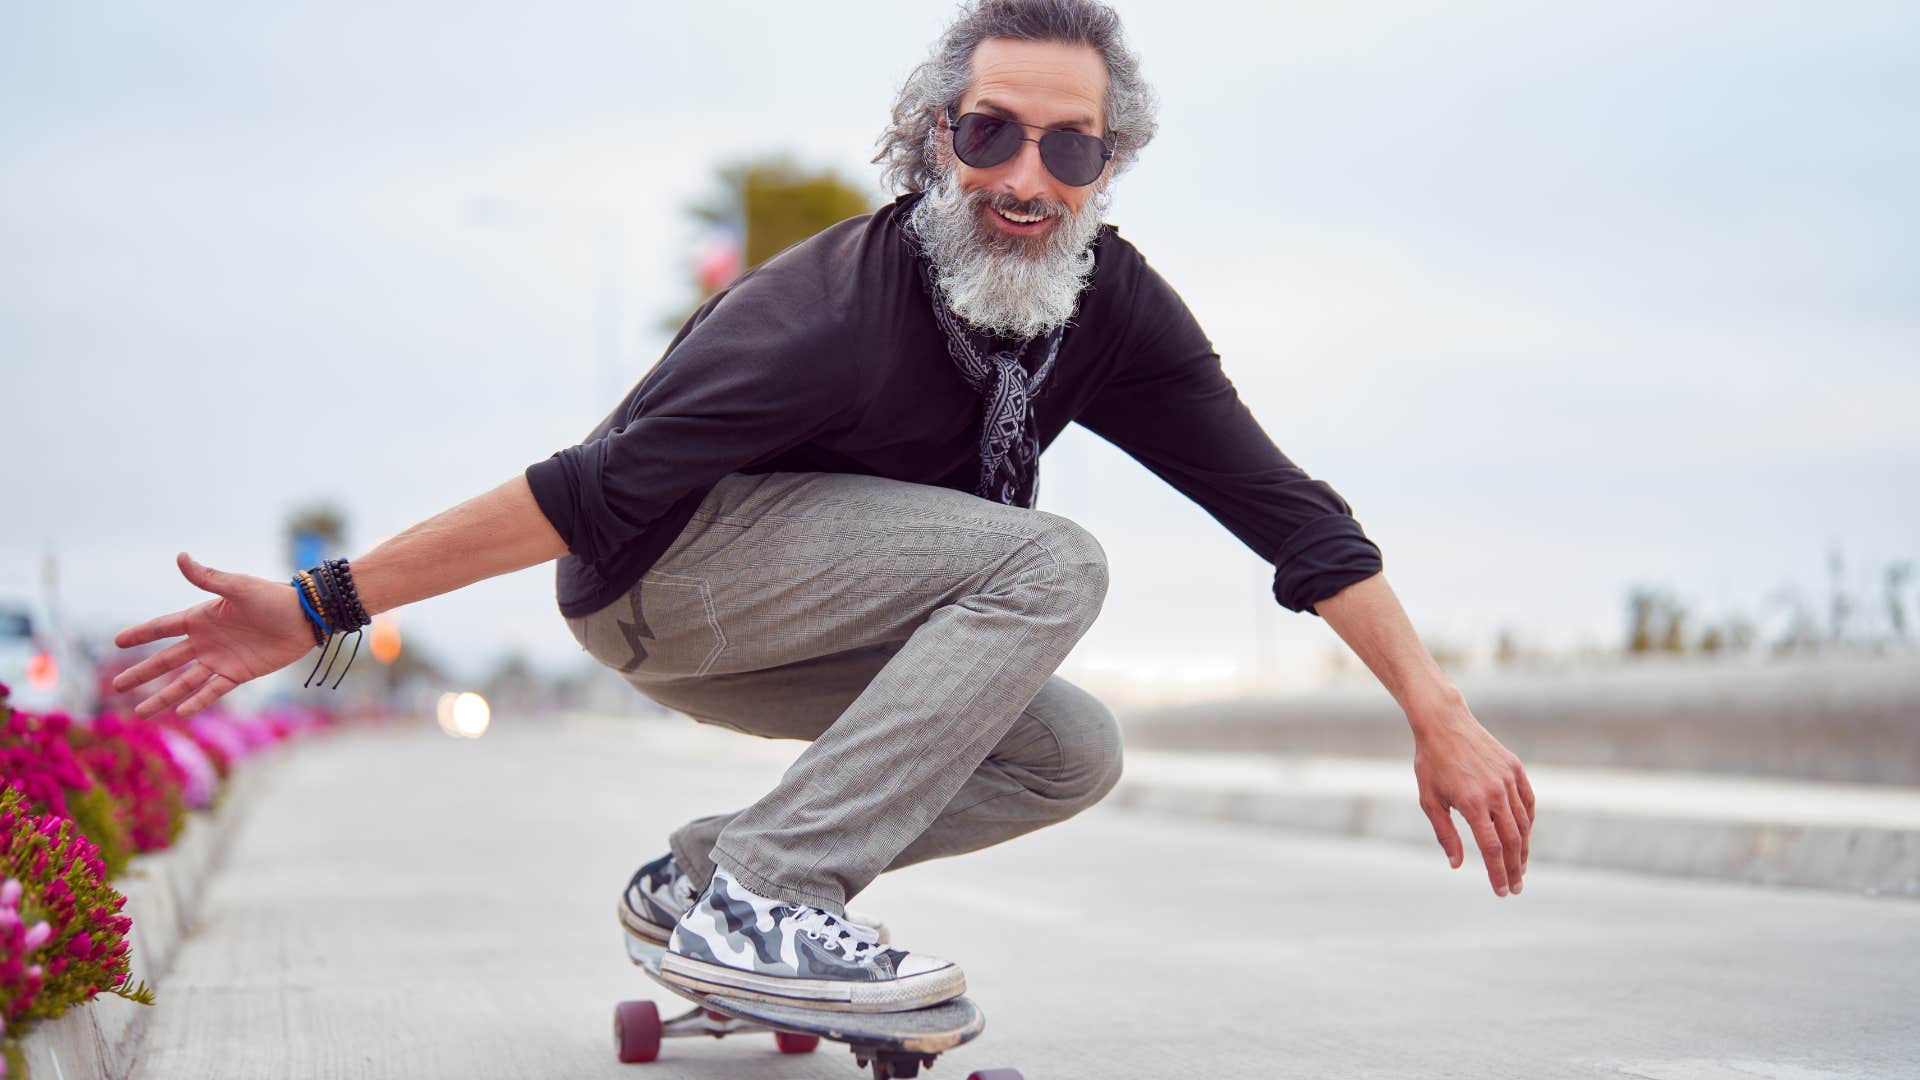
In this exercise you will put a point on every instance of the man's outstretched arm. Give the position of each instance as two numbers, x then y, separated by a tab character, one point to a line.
1458	764
253	626
486	536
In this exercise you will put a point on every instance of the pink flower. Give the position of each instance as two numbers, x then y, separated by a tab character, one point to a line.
38	936
201	779
10	893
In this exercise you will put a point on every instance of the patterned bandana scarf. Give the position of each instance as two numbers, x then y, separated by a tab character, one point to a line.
1009	436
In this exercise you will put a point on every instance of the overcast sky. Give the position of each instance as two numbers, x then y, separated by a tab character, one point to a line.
1562	298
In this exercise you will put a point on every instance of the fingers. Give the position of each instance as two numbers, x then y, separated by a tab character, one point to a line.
165	626
154	666
1510	842
1487	835
1443	830
189	680
216	687
1522	817
1520	796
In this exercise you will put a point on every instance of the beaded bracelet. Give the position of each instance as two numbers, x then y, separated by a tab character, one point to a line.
340	611
319	606
355	609
335	594
319	635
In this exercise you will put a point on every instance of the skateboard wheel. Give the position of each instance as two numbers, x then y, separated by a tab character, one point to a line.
789	1043
636	1031
995	1074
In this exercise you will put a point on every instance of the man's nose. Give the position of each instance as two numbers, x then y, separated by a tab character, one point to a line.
1026	177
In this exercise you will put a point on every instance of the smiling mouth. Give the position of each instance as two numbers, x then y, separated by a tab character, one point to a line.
1020	223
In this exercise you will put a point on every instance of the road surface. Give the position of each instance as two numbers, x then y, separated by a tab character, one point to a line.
406	904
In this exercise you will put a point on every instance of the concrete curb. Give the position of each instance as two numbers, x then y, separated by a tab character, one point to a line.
1675	835
98	1041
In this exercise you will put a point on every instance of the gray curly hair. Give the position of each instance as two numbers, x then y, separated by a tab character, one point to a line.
909	147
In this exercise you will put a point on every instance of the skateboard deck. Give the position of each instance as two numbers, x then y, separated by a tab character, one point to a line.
893	1044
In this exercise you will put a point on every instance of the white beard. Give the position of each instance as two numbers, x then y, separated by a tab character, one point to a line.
1001	284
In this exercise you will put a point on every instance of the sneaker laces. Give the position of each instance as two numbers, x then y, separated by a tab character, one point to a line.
857	942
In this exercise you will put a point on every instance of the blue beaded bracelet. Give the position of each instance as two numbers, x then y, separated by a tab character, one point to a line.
320	630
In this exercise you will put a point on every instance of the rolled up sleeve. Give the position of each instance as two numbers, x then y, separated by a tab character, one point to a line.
760	373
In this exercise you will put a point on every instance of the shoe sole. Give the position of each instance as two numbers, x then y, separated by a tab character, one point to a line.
651	932
920	991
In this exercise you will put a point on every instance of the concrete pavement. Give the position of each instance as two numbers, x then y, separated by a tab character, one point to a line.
404	904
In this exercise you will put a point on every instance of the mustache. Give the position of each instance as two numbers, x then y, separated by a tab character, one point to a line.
1000	200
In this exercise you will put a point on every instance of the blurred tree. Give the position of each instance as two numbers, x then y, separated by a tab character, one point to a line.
1642	610
1897	575
1801	631
1839	604
1656	622
1674	639
760	208
1506	649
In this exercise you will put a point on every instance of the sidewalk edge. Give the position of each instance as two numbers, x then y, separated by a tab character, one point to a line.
1875	861
100	1041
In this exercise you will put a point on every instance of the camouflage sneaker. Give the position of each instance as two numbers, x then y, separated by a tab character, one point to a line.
737	943
660	892
655	899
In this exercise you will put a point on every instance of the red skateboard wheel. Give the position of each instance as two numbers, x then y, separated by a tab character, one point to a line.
636	1031
790	1043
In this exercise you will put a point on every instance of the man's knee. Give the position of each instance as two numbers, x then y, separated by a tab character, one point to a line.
1089	764
1078	559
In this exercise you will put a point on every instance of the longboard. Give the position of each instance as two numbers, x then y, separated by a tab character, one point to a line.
894	1044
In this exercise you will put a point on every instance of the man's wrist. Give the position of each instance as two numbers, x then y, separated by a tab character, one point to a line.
1434	704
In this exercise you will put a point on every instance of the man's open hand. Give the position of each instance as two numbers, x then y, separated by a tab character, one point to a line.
1460	766
252	627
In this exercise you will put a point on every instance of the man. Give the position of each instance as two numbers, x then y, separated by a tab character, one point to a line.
812	520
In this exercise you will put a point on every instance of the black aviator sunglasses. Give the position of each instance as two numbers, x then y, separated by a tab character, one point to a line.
983	141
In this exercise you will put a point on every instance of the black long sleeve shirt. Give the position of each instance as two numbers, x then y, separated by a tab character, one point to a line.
828	358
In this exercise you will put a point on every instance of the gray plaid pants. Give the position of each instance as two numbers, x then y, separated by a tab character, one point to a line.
910	632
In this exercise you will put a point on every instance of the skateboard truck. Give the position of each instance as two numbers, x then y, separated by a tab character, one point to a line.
888	1064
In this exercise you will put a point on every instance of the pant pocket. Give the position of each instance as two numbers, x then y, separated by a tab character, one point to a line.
688	638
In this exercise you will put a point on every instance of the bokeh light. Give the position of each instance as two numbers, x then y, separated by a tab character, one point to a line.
463	715
385	640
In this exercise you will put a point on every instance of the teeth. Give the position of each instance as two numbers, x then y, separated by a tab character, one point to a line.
1024	219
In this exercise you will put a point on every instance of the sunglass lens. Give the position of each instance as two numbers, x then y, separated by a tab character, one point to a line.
1075	159
983	142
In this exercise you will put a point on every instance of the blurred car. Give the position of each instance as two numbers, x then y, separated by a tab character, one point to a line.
41	665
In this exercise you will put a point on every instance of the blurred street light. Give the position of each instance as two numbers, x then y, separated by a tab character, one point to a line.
385	639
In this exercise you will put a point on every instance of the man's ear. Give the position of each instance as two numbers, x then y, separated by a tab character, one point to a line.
942	140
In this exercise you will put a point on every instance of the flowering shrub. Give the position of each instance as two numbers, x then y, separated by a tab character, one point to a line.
74	933
77	799
210	748
37	759
198	776
129	756
20	978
